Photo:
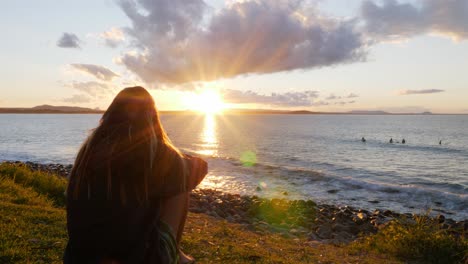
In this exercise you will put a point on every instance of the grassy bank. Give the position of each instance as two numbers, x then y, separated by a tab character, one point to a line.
32	224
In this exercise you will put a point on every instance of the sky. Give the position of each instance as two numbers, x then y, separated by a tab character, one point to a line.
319	55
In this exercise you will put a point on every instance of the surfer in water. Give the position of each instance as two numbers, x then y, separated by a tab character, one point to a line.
391	140
363	139
403	141
440	142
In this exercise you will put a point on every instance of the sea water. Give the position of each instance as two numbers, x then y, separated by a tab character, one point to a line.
319	157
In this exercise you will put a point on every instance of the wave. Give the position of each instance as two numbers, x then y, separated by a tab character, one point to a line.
336	174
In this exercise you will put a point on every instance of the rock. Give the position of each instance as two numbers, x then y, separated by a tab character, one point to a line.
376	222
214	214
313	236
449	222
440	219
362	216
343	237
387	213
368	228
197	210
324	232
340	228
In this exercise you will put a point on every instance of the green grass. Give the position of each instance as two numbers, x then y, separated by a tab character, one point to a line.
33	230
31	233
51	186
32	217
211	240
421	240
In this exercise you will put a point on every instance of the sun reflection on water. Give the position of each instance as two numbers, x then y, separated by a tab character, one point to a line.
208	137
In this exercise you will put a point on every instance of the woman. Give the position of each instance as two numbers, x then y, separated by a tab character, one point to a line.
128	192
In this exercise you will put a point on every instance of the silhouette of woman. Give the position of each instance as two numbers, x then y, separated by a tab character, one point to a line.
128	192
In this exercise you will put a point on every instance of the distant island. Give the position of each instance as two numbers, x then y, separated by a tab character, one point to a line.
306	112
50	109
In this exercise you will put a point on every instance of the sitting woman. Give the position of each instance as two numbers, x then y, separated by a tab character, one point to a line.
128	192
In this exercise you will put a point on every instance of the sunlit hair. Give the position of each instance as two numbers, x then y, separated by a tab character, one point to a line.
129	154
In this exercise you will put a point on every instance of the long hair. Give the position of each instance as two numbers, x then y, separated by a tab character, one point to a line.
129	154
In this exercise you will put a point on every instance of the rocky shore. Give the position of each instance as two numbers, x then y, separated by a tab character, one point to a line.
298	218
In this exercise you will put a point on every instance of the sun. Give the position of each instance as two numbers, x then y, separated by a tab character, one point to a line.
207	101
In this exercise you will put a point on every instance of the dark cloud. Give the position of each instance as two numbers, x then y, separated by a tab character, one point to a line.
69	40
97	71
77	99
179	41
289	99
393	19
427	91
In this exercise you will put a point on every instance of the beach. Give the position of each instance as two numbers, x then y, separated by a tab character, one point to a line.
293	218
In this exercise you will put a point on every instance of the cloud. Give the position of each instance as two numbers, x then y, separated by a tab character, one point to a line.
321	103
332	97
113	37
427	91
289	99
69	40
97	71
179	41
345	102
77	99
395	20
92	88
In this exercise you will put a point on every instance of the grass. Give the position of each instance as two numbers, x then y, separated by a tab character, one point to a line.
32	219
33	230
50	186
211	240
421	240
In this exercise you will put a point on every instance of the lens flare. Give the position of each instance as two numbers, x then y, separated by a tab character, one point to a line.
248	158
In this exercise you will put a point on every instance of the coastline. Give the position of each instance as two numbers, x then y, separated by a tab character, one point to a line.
291	218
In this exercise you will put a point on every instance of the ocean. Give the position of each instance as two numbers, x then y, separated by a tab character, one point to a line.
318	157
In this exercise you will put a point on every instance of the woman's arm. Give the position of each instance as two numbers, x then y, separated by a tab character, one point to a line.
198	168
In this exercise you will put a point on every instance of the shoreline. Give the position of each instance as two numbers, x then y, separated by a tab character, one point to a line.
292	218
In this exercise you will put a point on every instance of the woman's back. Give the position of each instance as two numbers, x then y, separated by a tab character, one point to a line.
124	173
